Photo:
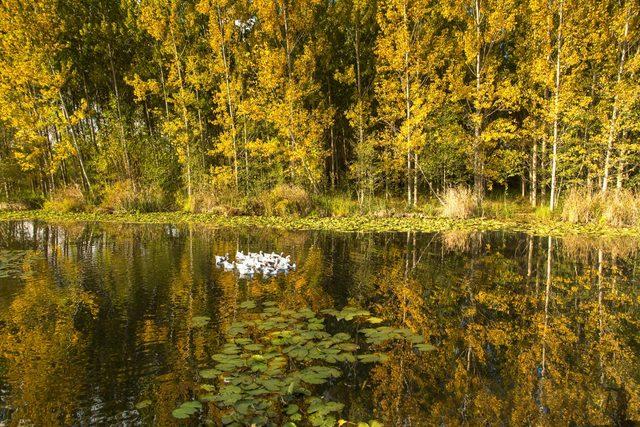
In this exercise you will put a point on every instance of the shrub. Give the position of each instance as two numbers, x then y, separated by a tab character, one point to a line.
458	203
122	196
30	199
285	199
66	199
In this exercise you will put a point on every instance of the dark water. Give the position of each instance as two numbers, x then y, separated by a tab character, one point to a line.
527	330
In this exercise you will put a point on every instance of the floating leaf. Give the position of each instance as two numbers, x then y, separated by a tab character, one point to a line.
373	358
143	404
249	304
277	355
200	321
209	373
186	409
424	347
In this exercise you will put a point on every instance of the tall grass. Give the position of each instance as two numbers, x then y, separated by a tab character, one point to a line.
458	203
284	199
123	196
615	208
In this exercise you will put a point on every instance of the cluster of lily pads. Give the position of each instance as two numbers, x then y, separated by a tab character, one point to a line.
530	225
268	371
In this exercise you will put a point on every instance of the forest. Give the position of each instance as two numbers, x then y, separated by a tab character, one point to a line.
281	106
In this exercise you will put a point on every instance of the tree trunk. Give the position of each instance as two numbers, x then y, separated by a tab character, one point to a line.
227	78
123	142
614	111
184	118
534	175
478	179
415	178
407	99
554	158
74	140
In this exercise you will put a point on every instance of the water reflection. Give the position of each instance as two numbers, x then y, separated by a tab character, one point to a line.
528	330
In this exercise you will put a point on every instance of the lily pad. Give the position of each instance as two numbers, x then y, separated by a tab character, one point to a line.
200	321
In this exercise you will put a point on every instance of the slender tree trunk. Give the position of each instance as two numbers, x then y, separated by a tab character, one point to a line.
123	141
333	159
408	178
201	130
360	100
246	155
478	178
227	79
556	102
184	117
542	170
533	192
50	154
415	178
287	46
74	140
333	170
164	92
620	170
407	99
614	110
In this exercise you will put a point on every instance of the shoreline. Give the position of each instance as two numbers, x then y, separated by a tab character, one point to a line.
526	225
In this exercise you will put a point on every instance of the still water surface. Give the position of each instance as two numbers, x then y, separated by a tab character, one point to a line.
96	318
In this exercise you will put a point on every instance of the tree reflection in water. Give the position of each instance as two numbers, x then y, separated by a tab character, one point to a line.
528	330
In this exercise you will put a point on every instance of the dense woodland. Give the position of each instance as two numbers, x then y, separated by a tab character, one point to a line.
199	102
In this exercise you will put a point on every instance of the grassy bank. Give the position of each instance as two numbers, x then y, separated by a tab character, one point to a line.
525	223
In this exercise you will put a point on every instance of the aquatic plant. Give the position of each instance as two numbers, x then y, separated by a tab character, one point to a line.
267	371
531	225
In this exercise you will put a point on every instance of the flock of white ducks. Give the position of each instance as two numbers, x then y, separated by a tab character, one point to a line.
247	265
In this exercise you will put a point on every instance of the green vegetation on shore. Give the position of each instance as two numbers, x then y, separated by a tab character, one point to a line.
361	223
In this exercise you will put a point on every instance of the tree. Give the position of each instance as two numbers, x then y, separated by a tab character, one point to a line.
409	80
286	90
173	24
483	81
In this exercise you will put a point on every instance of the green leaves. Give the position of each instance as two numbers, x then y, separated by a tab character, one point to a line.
275	359
247	305
187	409
143	404
347	313
424	347
373	358
209	373
200	321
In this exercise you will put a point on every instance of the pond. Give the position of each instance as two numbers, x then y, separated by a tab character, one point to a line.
122	324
